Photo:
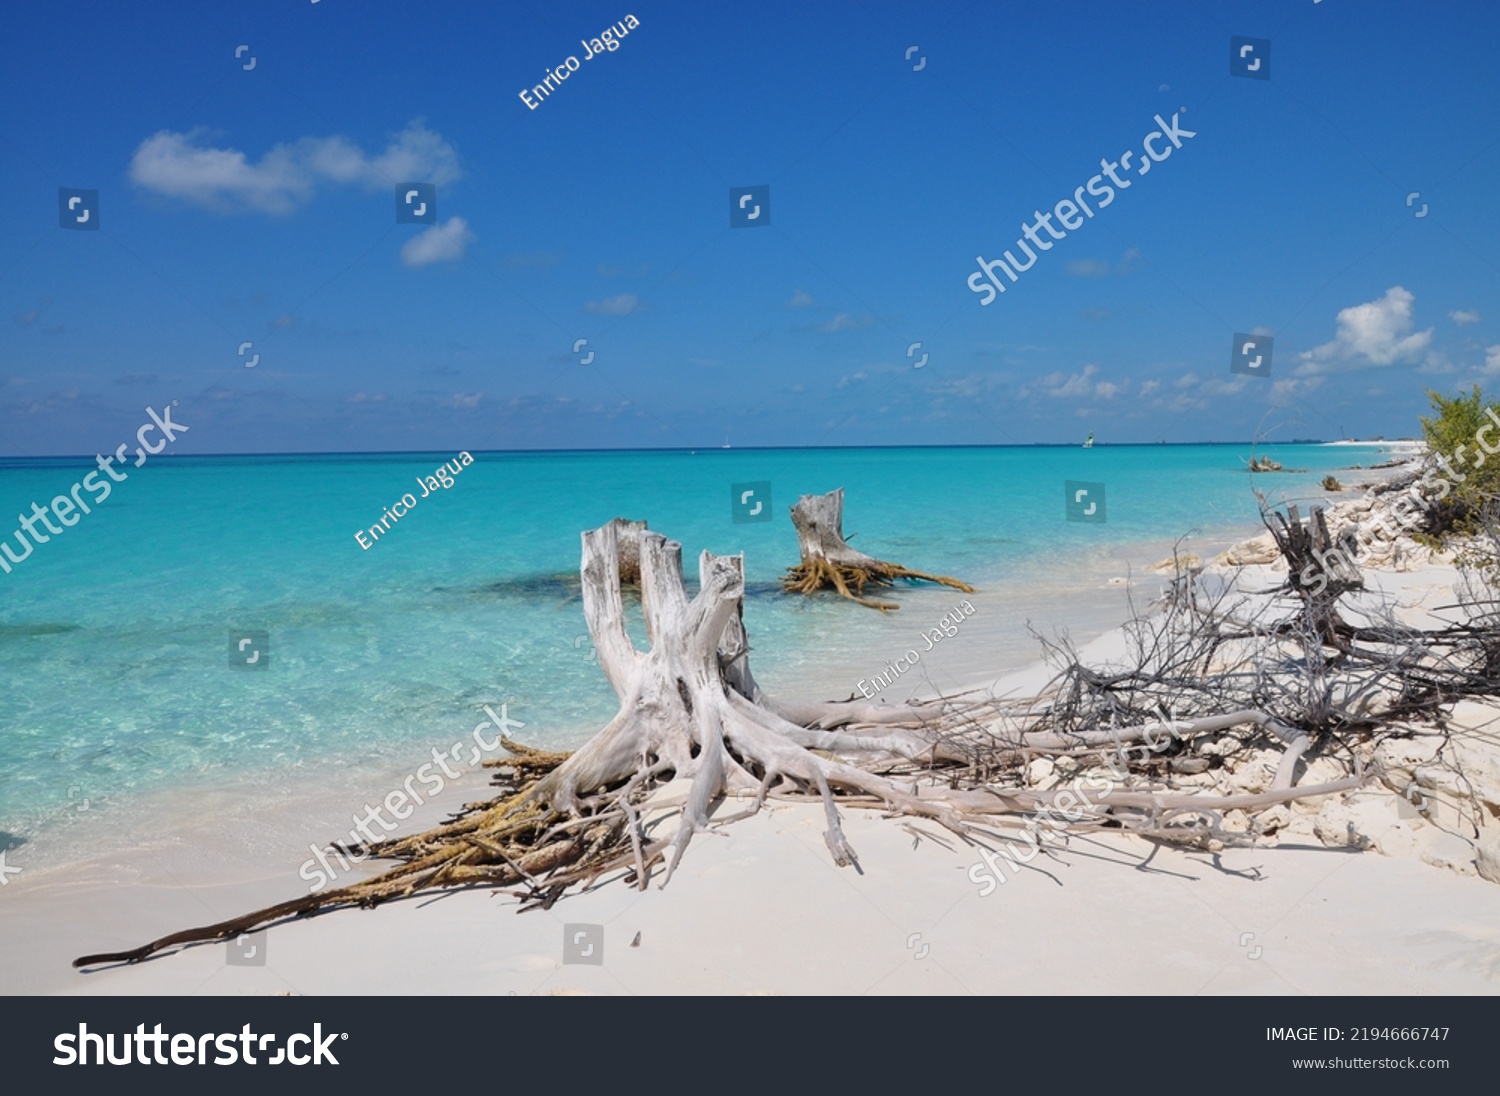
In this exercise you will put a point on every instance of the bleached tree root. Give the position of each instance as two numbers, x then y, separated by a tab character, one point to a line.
694	725
828	561
570	819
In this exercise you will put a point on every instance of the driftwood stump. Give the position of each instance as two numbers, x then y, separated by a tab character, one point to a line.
827	559
1320	570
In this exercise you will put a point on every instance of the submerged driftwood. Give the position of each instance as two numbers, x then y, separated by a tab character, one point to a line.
827	559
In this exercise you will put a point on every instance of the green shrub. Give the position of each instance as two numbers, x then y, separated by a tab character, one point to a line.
1450	433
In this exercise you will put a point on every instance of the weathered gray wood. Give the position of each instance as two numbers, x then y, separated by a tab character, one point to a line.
829	561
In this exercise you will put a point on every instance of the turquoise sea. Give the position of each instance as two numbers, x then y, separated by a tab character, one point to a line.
115	635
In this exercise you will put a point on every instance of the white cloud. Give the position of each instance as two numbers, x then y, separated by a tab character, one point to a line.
621	305
800	299
1492	360
1149	388
1464	316
1377	332
1290	389
1077	386
532	260
1088	268
1436	362
178	165
844	321
968	386
467	400
1219	386
845	381
439	244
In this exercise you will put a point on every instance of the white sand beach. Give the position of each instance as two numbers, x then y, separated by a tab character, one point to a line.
1361	893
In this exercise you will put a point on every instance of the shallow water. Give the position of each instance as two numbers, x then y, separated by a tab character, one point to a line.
115	636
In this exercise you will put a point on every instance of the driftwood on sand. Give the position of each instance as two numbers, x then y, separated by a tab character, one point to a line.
828	561
1204	679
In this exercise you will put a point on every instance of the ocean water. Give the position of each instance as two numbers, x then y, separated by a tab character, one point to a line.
114	636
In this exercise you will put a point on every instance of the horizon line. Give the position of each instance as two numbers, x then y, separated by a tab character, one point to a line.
723	449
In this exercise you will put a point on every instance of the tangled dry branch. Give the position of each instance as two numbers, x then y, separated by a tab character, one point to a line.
1210	670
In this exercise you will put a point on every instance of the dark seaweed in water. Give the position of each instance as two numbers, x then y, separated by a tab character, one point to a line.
24	631
568	587
564	586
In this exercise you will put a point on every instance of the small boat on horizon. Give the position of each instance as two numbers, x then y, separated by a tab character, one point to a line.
1089	442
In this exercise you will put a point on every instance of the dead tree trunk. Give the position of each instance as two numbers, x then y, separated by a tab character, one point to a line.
628	536
827	559
1319	571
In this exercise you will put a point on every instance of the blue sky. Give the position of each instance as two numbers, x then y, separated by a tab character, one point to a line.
258	205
